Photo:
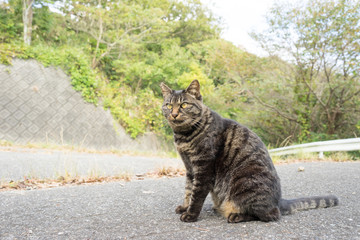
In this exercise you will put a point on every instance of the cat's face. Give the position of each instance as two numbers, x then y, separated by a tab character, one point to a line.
182	108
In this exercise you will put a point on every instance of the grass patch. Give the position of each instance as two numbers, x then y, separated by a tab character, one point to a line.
314	157
5	143
32	183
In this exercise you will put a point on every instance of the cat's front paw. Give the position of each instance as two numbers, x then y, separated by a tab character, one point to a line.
180	209
188	217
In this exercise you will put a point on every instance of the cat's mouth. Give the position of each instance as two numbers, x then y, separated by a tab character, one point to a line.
177	121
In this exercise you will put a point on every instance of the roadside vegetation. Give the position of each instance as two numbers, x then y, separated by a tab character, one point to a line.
68	179
118	51
48	147
314	157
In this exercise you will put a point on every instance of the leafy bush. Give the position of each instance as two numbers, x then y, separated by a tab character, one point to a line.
10	26
139	113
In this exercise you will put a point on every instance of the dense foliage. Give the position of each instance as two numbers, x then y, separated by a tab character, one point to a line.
321	86
120	50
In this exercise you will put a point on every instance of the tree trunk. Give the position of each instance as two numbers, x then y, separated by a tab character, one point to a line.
27	20
95	61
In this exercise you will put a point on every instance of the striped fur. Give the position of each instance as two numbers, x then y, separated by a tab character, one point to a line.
294	205
229	161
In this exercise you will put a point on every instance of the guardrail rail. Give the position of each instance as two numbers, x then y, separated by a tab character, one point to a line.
350	144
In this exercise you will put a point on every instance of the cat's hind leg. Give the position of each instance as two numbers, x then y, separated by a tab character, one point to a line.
228	207
234	213
269	216
237	217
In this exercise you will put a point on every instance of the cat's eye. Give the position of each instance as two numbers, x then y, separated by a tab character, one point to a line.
169	106
184	105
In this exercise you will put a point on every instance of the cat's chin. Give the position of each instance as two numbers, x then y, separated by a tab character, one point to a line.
179	125
178	122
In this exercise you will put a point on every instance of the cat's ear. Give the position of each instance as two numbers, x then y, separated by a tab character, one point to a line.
166	91
194	89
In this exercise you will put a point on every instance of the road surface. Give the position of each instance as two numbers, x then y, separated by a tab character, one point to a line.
144	209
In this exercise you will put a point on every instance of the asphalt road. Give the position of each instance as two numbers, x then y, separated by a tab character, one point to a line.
144	209
17	163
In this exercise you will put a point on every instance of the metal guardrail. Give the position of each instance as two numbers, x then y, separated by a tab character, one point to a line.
350	144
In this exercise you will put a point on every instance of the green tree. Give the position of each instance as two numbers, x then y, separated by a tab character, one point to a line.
10	20
321	40
191	22
27	20
23	18
117	25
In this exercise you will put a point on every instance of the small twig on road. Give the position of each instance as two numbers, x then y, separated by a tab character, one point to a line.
201	229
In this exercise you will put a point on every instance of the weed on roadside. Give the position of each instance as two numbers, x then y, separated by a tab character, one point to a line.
33	183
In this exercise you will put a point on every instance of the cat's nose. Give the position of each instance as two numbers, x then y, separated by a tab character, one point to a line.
174	115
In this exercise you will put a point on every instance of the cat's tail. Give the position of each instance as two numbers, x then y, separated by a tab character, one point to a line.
293	205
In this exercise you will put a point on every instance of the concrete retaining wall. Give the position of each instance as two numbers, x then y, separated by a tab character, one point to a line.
39	105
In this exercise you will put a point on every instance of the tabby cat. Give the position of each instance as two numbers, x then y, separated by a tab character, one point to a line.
229	161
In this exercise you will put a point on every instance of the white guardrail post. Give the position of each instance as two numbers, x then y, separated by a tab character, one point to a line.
341	145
